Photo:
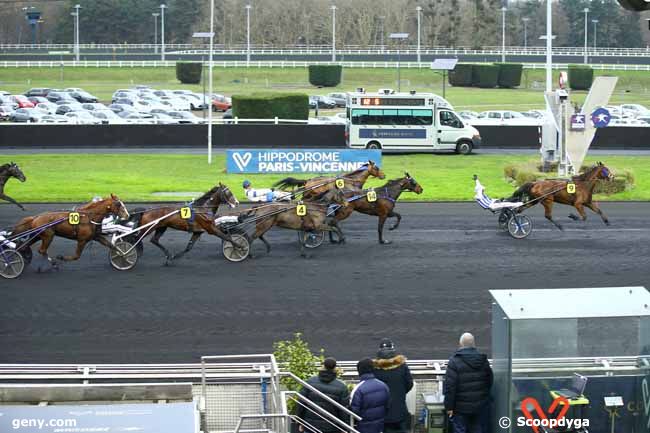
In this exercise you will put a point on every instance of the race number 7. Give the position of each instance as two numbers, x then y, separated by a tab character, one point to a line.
74	218
186	213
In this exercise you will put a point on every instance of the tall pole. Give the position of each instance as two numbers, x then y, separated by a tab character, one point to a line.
210	82
503	34
595	38
586	11
525	20
155	31
76	32
549	46
248	34
162	31
419	10
333	33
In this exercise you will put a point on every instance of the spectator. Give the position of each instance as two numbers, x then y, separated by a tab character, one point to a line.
467	387
327	383
391	369
370	399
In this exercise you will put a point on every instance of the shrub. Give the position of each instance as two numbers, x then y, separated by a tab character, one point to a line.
509	74
461	76
189	72
325	75
580	77
486	76
270	105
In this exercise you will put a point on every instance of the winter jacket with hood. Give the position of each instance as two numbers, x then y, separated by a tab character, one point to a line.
370	400
467	382
327	383
391	369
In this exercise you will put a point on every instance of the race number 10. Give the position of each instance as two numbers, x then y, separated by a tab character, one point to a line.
571	188
74	218
186	213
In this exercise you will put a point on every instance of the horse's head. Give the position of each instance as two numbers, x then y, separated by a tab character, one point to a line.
374	170
602	172
115	206
224	195
16	172
410	184
335	196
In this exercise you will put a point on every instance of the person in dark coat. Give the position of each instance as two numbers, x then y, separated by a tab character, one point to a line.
391	368
370	399
327	383
467	387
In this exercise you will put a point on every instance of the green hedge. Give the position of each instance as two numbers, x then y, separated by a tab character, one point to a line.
486	76
461	76
325	75
580	77
270	105
189	72
510	74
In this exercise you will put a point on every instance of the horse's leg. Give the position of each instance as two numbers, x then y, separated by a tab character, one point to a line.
266	244
380	230
548	213
581	210
594	207
155	240
195	237
4	196
46	240
81	244
399	219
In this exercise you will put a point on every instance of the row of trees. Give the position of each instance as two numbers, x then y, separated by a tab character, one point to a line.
470	23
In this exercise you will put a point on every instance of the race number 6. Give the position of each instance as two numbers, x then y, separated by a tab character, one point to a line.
74	218
340	183
186	213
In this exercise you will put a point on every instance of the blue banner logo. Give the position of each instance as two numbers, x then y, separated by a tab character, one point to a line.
393	133
298	161
601	118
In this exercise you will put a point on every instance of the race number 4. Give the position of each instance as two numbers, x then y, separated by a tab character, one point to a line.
74	218
186	213
301	210
340	183
371	196
571	188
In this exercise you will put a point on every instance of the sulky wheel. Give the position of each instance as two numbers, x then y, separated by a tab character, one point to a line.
26	252
123	256
236	253
311	239
520	226
11	264
504	217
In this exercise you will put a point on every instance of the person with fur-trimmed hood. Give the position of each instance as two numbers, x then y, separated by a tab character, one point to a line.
391	368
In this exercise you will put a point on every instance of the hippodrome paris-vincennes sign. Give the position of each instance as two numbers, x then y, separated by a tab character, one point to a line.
298	161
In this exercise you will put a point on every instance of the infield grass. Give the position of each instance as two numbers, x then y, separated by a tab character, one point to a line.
137	177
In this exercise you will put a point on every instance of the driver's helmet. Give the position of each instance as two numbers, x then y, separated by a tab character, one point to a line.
246	184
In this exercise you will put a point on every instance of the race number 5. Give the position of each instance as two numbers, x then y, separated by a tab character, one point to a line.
301	210
571	188
340	183
371	196
186	213
74	218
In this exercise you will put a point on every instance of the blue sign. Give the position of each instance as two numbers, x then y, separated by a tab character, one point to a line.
298	161
601	118
393	133
141	418
578	122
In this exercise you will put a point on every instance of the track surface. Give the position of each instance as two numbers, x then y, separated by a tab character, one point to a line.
423	291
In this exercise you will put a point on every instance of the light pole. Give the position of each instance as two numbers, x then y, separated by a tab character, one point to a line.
525	20
75	14
503	34
248	34
419	10
595	38
549	46
210	81
399	37
333	33
586	11
155	16
162	31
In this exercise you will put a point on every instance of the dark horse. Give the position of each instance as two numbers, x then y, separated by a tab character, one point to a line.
201	221
556	191
383	207
7	171
316	186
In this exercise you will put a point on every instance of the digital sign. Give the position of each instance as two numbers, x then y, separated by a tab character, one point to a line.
392	102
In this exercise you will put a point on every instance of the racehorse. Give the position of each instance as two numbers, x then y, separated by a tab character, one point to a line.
7	171
383	207
318	185
201	220
90	218
557	191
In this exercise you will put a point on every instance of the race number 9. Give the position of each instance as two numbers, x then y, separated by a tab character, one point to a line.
340	183
371	196
186	213
571	188
301	210
74	218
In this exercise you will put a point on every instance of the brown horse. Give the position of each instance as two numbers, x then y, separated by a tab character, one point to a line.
383	206
557	191
7	171
316	186
201	221
90	218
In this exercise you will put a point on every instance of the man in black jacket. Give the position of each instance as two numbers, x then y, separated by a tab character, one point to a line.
467	387
327	383
391	368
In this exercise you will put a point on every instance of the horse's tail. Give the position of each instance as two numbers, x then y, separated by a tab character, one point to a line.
23	225
289	182
522	192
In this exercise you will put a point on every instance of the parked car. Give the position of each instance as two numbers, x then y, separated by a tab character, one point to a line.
37	100
6	100
38	91
54	118
94	106
645	119
164	119
221	103
84	97
22	101
123	94
55	96
468	115
228	114
4	93
5	112
339	98
68	108
83	118
26	115
73	89
176	104
321	101
635	110
121	108
504	117
196	102
140	118
108	117
47	107
185	117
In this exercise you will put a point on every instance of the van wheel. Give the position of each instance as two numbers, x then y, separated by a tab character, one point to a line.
464	148
373	145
